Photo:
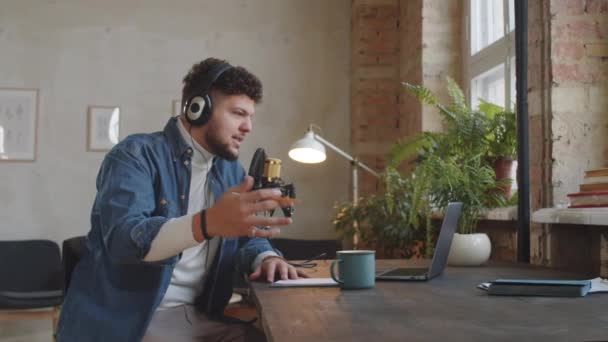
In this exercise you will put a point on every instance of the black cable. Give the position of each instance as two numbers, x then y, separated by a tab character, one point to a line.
308	263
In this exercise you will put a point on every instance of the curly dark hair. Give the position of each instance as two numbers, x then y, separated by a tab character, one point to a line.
234	81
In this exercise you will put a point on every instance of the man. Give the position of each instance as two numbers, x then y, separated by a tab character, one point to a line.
173	218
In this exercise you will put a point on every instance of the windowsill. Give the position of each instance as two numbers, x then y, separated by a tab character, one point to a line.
502	214
496	214
585	216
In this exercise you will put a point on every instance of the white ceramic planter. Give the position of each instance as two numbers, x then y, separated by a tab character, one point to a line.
469	249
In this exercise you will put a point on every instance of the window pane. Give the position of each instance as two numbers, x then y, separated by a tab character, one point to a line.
489	86
511	15
487	23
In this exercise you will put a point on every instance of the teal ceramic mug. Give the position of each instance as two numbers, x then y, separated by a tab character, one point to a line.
357	269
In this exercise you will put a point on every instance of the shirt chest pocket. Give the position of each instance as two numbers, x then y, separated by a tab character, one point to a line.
166	207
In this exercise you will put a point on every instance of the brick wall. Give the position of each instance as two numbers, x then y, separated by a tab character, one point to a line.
441	53
579	126
579	101
568	108
394	41
375	114
411	64
539	120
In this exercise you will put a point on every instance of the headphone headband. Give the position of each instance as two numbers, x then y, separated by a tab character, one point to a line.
213	75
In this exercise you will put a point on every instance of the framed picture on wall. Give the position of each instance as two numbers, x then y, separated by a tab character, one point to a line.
176	107
18	124
103	127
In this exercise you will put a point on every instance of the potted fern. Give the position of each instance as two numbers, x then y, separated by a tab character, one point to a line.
453	166
449	166
502	143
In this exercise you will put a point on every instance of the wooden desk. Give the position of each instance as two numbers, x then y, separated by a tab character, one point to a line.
449	308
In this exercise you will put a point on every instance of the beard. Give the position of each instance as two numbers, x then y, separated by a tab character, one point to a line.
219	148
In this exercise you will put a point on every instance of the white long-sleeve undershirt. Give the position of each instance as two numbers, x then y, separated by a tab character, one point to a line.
175	235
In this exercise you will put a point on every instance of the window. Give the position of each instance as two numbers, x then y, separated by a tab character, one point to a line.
490	52
489	86
489	55
487	23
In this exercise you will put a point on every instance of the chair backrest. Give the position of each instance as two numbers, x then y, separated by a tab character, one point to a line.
30	266
295	249
73	250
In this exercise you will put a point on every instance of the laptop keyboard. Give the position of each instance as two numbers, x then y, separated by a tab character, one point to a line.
406	272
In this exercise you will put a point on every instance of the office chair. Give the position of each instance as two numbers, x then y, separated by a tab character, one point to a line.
31	277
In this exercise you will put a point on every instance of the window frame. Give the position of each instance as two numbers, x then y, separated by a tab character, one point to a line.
501	51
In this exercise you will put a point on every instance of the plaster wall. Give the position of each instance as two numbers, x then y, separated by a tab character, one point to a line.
133	54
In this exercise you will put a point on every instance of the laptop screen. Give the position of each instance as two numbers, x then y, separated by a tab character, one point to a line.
444	241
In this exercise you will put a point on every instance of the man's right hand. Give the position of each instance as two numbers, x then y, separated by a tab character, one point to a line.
234	214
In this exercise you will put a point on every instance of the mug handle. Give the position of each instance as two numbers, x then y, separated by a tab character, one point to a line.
332	272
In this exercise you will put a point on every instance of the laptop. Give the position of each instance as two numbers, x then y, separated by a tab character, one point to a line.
440	257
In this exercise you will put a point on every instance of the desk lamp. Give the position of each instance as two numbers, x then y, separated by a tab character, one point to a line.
311	150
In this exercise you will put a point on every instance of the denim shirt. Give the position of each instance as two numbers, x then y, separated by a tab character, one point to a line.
143	182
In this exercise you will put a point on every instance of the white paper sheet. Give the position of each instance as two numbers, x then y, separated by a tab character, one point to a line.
305	282
599	285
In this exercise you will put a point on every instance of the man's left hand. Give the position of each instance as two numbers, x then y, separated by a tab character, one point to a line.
274	265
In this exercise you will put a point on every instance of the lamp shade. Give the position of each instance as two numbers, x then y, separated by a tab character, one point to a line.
307	150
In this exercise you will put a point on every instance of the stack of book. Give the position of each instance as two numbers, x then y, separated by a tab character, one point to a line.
593	192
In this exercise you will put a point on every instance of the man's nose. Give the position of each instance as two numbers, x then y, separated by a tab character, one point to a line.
246	125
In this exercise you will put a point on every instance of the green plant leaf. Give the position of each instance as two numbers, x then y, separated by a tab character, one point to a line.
455	93
423	94
406	148
488	108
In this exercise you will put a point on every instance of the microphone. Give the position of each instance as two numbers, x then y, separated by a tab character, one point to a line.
266	173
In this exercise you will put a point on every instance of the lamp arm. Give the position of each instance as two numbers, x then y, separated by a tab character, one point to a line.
344	154
368	169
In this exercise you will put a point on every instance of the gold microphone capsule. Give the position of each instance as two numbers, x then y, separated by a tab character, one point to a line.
272	169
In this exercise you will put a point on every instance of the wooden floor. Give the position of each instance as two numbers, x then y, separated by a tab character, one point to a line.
26	331
41	331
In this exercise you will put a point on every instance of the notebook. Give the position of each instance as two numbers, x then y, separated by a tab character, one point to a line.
539	287
440	257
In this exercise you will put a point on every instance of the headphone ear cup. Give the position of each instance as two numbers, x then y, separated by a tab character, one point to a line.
198	110
194	109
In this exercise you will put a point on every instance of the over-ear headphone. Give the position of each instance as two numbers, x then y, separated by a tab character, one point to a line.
199	107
